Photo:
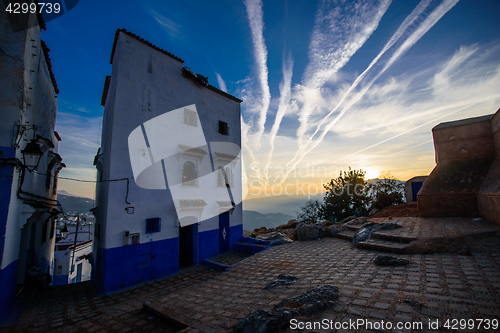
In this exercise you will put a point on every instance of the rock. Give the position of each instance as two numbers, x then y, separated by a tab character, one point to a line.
325	223
276	238
373	211
347	219
310	302
334	230
355	221
368	228
282	280
289	233
413	303
292	224
390	261
247	233
261	321
304	232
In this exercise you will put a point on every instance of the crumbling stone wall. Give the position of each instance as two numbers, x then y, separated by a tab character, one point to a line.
466	179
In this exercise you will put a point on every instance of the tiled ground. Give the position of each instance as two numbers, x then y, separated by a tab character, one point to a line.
448	285
78	307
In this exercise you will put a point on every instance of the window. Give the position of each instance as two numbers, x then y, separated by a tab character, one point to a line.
153	225
189	174
223	128
190	117
44	232
59	269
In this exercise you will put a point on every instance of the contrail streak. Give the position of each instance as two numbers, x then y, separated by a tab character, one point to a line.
428	23
256	20
408	21
335	39
285	95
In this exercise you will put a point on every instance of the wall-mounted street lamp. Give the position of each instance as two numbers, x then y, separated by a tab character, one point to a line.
31	155
64	231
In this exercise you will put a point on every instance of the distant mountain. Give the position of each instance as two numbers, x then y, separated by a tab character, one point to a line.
285	204
253	220
75	204
66	193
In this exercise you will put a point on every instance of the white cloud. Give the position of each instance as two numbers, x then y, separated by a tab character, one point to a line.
256	20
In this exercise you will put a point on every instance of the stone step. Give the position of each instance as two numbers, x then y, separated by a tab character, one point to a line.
383	234
346	234
250	245
382	245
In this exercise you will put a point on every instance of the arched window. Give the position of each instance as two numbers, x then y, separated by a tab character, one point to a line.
189	174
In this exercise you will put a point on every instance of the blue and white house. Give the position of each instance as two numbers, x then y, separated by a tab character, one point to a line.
29	162
169	186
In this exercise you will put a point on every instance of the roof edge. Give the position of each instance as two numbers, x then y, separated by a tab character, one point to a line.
188	75
142	40
46	51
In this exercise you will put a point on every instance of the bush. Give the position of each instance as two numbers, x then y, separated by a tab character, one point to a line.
386	191
345	196
310	213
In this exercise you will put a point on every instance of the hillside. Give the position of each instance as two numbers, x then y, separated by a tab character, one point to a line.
75	204
253	219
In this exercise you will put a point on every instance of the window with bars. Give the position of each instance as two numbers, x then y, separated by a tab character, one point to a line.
153	225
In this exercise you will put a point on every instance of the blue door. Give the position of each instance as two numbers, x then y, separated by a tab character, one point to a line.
223	232
415	187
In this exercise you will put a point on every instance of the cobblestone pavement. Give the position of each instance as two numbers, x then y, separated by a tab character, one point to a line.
78	307
435	287
449	286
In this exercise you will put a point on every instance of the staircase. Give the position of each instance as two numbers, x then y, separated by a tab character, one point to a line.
242	249
379	240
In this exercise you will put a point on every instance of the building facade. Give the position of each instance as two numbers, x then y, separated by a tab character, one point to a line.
169	168
28	205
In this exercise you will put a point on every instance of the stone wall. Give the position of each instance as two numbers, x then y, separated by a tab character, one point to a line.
466	179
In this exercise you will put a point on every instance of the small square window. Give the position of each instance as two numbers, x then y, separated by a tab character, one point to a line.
190	117
153	225
223	128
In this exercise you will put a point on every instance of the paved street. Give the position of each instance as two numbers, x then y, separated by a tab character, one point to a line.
433	287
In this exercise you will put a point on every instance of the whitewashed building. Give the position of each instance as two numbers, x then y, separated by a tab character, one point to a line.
73	263
28	108
169	168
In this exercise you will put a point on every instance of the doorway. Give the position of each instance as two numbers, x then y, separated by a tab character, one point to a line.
186	245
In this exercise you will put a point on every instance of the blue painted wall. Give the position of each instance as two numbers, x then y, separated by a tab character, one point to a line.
124	266
208	243
59	280
8	282
235	233
8	275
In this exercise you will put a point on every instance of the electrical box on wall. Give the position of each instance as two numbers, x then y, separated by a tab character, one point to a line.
134	239
126	237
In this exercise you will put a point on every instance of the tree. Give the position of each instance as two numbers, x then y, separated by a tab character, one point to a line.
345	196
385	191
310	213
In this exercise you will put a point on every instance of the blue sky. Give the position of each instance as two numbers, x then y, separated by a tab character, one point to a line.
325	84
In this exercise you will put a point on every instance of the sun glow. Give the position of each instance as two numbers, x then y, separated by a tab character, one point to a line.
371	172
